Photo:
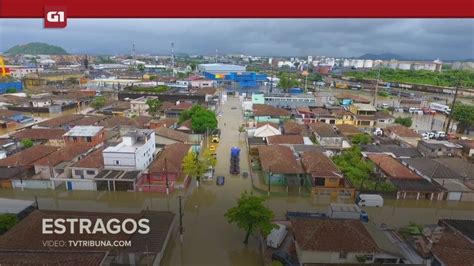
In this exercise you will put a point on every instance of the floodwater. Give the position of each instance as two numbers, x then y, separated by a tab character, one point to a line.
208	238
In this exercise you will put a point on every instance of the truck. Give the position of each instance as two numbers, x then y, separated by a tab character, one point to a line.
369	200
441	108
277	235
346	211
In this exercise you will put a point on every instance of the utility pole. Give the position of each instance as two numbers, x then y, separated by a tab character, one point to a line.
271	81
180	220
269	179
216	56
452	105
166	178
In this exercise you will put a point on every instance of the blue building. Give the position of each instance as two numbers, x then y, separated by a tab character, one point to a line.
243	80
4	86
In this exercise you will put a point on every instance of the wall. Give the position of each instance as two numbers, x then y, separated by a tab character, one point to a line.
33	184
95	140
84	173
81	185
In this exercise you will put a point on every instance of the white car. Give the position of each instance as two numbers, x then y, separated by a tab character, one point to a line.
378	132
425	135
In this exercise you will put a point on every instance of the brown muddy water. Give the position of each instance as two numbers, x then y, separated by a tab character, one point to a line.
208	238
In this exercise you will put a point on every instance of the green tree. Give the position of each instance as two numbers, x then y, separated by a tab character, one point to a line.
26	143
464	115
251	215
141	67
203	120
382	94
98	102
7	221
154	106
360	171
152	77
361	139
196	166
288	81
10	90
404	121
241	129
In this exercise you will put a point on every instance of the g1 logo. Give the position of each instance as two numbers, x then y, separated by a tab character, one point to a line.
55	17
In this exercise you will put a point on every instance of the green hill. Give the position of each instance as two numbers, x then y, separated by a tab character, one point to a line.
35	48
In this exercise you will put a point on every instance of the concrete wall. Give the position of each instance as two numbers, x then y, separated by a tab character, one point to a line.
33	184
84	173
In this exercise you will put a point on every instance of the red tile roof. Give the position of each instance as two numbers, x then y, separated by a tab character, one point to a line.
454	249
27	157
39	134
60	121
403	132
268	110
172	134
279	159
392	168
293	128
348	130
64	154
333	235
95	160
319	165
174	155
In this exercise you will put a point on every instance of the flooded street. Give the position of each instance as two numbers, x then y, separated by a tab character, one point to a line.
208	238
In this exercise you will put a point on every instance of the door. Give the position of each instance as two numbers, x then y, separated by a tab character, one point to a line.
69	185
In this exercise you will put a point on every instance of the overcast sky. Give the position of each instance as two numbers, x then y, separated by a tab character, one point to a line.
412	38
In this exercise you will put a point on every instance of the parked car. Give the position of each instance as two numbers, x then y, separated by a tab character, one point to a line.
415	111
425	135
369	200
212	148
220	180
284	258
428	111
440	134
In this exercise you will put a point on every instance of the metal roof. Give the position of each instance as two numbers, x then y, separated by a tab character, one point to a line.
14	206
83	131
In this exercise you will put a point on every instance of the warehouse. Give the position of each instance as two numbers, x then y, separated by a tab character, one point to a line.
221	69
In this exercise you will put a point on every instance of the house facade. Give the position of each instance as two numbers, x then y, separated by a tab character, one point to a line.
135	152
87	135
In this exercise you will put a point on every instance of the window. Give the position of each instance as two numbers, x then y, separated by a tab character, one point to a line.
74	139
78	172
89	139
90	172
117	162
343	255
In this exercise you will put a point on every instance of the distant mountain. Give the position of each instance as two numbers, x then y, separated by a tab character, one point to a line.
384	56
36	48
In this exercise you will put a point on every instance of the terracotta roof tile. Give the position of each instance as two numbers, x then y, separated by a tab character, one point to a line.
403	132
61	121
94	160
348	130
279	159
39	134
268	110
333	235
174	155
318	164
64	154
28	157
323	129
392	168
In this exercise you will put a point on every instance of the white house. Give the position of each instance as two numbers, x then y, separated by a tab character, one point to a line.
135	152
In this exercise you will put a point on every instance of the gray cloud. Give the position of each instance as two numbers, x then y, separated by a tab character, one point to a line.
414	38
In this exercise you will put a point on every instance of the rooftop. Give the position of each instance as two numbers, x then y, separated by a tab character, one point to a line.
323	130
279	159
458	165
396	150
319	165
39	134
62	155
28	156
285	139
117	175
173	155
431	168
94	160
172	134
434	144
348	130
403	131
83	131
60	121
415	185
365	107
392	168
451	184
333	235
268	110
